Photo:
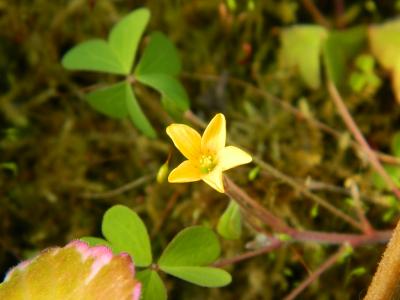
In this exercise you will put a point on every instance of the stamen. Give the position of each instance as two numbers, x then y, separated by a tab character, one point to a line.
207	163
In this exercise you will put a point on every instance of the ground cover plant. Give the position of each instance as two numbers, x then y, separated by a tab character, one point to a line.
205	150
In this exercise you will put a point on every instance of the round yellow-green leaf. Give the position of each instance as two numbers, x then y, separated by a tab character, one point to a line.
193	246
159	57
93	55
126	232
202	276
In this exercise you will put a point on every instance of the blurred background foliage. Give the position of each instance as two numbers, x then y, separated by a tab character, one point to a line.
59	159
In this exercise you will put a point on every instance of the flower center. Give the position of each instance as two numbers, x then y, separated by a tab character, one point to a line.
207	163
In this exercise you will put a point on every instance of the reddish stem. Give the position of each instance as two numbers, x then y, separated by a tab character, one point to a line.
274	244
352	126
313	276
315	13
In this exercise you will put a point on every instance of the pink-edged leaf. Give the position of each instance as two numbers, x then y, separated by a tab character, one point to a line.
75	271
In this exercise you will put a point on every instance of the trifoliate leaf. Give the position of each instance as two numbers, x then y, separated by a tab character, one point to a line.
93	55
118	101
159	57
169	87
115	56
301	48
110	101
339	48
125	36
137	116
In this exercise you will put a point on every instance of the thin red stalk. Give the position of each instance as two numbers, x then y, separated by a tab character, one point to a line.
275	244
352	126
340	21
355	194
303	190
168	209
315	13
314	276
354	240
278	225
256	209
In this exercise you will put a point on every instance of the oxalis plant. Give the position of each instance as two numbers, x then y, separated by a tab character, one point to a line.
192	251
157	68
121	265
187	256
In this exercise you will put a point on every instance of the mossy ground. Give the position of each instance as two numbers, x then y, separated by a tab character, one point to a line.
66	153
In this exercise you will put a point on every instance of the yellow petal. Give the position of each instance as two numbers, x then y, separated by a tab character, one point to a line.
230	157
214	179
185	172
214	136
186	139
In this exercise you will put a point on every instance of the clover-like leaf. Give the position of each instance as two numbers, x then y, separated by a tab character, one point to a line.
202	276
126	34
93	55
339	48
170	89
137	116
301	48
159	57
188	255
385	45
111	100
153	287
75	271
230	223
193	246
126	232
115	56
118	101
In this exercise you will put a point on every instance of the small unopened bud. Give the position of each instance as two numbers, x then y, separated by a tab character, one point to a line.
162	172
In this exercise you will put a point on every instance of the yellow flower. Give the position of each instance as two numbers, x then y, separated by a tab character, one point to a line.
207	156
